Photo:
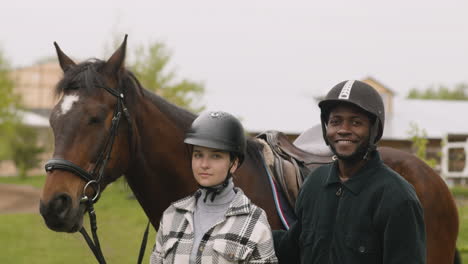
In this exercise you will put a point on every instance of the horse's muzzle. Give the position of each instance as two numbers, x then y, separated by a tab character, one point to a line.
60	215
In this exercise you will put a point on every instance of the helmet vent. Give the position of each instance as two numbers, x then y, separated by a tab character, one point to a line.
216	114
346	90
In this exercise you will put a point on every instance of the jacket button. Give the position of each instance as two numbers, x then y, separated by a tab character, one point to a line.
201	248
231	256
362	249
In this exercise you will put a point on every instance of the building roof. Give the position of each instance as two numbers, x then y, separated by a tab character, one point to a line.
378	85
33	119
293	114
437	117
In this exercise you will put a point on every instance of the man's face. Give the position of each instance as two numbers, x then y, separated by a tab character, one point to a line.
348	130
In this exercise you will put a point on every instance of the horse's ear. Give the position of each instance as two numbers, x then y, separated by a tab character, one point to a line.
116	61
65	62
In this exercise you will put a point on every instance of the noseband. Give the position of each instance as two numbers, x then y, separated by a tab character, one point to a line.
94	177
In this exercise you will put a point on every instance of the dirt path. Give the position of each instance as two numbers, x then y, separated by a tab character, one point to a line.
18	199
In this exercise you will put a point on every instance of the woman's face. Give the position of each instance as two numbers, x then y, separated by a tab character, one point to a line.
210	166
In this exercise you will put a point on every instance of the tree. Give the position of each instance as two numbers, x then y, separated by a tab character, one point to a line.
8	104
17	141
150	66
25	151
419	141
459	92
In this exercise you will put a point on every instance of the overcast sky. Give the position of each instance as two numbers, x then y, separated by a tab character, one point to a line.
301	47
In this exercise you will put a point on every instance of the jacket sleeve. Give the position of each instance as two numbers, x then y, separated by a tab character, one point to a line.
264	252
156	256
404	238
287	241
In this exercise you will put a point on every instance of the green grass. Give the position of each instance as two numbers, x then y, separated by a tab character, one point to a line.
121	223
460	191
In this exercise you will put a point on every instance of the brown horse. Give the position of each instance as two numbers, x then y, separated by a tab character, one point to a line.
147	147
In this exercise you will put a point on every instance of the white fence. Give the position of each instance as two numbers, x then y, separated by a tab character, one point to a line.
454	175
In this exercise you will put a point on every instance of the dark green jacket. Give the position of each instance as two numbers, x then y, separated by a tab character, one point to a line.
374	217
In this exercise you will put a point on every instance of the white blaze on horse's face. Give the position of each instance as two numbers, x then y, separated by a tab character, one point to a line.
67	103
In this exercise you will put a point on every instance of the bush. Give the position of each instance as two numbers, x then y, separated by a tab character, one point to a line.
25	151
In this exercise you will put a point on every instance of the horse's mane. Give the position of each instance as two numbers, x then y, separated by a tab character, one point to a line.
181	116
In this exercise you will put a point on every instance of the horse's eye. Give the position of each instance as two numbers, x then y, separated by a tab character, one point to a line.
94	120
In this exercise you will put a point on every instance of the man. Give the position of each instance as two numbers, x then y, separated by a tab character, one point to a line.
355	210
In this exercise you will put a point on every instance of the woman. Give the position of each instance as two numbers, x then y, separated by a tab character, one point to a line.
218	223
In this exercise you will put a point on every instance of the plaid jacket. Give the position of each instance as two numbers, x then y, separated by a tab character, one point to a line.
243	236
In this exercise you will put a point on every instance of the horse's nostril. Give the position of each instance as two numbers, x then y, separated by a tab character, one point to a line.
60	205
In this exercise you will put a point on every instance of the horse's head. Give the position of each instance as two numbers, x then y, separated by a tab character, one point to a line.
91	146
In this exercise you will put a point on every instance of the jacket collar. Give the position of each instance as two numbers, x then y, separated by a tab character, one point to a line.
239	205
357	182
187	203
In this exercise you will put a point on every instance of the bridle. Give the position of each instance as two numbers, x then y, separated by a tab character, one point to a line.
94	177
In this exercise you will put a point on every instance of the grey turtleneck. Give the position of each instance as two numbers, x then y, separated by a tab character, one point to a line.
208	213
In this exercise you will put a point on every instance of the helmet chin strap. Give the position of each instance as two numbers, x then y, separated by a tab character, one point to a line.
372	135
217	189
360	154
370	150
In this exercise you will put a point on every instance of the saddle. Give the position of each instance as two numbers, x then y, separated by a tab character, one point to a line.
289	163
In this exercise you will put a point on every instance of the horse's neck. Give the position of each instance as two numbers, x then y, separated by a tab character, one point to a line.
159	172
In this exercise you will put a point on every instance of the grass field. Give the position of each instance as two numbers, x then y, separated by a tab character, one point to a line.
121	222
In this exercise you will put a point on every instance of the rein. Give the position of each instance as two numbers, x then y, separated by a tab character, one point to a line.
94	177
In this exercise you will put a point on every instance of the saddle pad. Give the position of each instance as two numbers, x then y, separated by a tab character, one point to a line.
312	141
284	210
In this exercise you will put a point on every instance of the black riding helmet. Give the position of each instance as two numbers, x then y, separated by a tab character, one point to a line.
361	95
218	130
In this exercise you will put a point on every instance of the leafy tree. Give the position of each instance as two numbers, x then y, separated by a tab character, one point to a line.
17	141
150	66
8	104
25	152
419	141
8	101
459	92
